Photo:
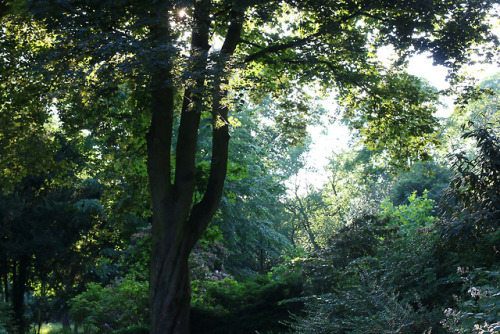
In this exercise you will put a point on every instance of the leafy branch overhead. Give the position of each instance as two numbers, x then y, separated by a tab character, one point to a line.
395	113
154	72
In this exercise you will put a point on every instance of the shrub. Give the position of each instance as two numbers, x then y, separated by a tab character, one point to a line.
7	324
472	212
412	217
365	308
247	307
138	329
379	274
479	311
117	306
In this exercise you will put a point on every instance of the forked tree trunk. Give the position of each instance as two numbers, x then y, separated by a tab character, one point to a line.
178	223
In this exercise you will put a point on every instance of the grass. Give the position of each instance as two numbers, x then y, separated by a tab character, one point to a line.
47	328
50	327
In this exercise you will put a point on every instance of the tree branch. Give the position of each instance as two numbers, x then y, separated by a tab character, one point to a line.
159	137
203	212
280	47
191	109
299	41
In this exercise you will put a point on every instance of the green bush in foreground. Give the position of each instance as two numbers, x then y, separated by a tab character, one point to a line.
123	304
479	311
246	307
7	324
137	329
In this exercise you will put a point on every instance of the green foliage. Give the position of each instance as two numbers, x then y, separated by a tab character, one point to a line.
480	106
308	224
359	181
394	114
117	306
366	308
382	273
421	177
471	233
349	251
107	64
7	322
135	260
365	282
479	311
250	213
471	216
47	230
413	264
243	307
413	217
26	142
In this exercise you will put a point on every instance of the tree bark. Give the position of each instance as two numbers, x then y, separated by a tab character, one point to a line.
305	222
20	279
65	320
178	223
5	280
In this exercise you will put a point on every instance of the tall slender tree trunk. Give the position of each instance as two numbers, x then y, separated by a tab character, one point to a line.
5	280
20	279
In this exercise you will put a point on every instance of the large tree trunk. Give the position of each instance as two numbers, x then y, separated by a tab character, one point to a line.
170	285
178	223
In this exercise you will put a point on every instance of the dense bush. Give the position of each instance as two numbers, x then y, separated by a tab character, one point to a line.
349	250
379	274
7	324
247	307
364	308
470	228
478	311
471	215
422	177
110	308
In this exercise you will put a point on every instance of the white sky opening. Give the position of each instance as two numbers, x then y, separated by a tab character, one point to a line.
336	137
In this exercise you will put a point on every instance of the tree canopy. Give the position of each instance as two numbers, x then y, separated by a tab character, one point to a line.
143	76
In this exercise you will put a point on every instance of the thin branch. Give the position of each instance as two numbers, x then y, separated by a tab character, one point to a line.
244	41
376	17
280	47
298	42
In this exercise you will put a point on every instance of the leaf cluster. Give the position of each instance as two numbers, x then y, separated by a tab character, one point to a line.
7	323
113	307
394	113
471	212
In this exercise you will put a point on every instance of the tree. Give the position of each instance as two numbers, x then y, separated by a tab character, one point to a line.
359	179
480	105
187	58
304	211
428	176
42	222
471	212
249	214
380	113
